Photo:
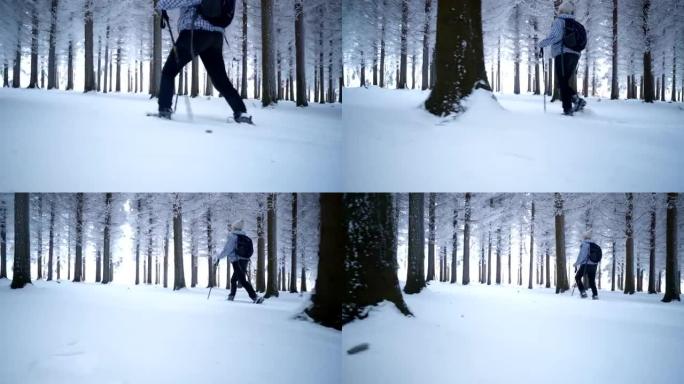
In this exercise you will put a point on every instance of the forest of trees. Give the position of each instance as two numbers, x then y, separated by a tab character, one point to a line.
165	238
521	240
277	50
635	47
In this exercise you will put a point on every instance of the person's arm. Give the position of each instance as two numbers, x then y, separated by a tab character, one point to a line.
223	253
171	4
582	256
555	35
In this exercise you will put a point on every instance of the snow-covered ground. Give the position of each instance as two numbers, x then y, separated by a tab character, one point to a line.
57	141
480	334
393	144
89	333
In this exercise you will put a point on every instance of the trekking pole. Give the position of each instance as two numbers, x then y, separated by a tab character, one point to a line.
212	287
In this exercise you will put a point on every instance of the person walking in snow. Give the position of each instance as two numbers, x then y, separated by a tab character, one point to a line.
587	261
566	57
238	250
197	37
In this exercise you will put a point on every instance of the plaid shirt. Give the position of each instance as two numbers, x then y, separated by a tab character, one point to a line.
188	12
555	38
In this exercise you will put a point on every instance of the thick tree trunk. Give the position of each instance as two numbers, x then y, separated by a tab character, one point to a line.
466	241
532	212
431	237
629	245
614	85
271	225
245	44
651	250
674	75
149	242
454	248
89	67
179	274
489	256
383	44
268	96
403	55
371	250
415	278
647	85
33	82
460	66
70	66
39	253
561	273
3	239
498	256
261	250
211	271
426	48
300	48
106	255
98	266
21	270
672	274
293	260
193	256
156	63
52	55
516	49
166	254
78	261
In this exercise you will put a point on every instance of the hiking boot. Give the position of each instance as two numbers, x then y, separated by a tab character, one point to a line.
595	297
165	113
243	118
231	297
583	294
568	113
579	103
258	300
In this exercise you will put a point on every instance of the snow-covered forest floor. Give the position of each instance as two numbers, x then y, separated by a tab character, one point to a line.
90	333
69	141
481	334
393	144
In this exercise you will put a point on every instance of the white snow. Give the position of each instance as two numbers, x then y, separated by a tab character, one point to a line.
393	144
57	141
89	333
480	334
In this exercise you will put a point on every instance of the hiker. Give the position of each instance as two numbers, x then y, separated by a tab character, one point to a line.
206	40
566	58
238	249
587	261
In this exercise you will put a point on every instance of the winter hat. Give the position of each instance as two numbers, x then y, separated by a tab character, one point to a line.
238	225
567	8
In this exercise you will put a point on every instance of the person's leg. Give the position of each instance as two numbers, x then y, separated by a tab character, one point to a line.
241	267
173	66
212	58
578	278
233	281
591	272
564	82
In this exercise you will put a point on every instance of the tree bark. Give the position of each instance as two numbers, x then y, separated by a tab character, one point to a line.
403	57
149	241
431	237
70	67
272	282
156	63
106	255
39	258
300	48
460	67
293	260
211	271
629	245
614	85
672	274
261	250
89	83
415	278
651	250
454	248
268	96
166	254
179	274
383	44
3	239
33	82
466	241
561	274
21	271
243	85
371	250
529	284
52	56
647	85
426	47
78	261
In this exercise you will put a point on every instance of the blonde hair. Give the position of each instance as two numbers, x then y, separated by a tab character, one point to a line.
567	7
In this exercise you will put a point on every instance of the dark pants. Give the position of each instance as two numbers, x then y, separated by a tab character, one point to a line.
590	270
566	65
209	47
239	272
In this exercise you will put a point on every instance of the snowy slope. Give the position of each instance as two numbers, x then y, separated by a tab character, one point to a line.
89	333
480	334
392	144
68	141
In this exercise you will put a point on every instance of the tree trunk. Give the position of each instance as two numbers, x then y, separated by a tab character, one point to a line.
529	284
415	278
89	79
426	49
193	256
431	237
3	239
454	248
672	274
39	258
156	63
383	45
516	49
78	261
70	67
498	256
300	48
613	269
149	242
268	96
166	254
460	66
651	249
272	282
614	85
106	256
33	82
179	274
466	241
293	260
21	270
52	55
98	270
674	74
371	252
629	245
261	250
561	274
211	271
403	66
243	82
489	256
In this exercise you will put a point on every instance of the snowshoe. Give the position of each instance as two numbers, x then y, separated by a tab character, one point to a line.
243	118
579	104
594	297
583	294
230	298
568	113
259	300
164	113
